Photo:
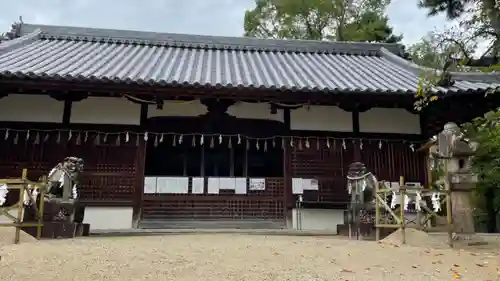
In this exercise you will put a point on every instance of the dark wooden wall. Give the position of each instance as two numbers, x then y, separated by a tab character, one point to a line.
330	165
112	171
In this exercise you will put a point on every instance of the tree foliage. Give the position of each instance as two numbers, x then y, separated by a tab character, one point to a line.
481	18
486	163
441	53
436	48
486	132
340	20
455	49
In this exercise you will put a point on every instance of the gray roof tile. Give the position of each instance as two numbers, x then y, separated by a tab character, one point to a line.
208	61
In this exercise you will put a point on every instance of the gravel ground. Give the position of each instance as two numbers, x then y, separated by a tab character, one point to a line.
239	257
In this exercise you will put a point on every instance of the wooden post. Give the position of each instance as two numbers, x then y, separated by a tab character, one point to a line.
360	200
140	160
430	181
402	192
39	227
377	213
20	206
22	184
287	169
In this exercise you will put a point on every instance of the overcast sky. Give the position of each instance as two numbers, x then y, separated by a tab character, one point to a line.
207	17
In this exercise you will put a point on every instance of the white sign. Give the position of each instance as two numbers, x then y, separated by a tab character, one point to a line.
213	186
226	183
198	186
257	184
172	185
313	184
300	184
149	185
297	186
240	185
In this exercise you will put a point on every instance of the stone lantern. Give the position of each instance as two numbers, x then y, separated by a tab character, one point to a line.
457	154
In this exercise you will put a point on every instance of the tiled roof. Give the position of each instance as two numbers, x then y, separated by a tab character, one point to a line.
85	54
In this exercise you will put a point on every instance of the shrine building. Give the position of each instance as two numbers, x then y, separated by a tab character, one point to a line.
183	131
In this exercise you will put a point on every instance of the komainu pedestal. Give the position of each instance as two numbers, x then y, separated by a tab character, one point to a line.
61	219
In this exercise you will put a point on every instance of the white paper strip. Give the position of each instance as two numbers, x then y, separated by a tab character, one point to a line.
149	185
240	186
297	186
257	184
3	193
213	186
198	186
396	196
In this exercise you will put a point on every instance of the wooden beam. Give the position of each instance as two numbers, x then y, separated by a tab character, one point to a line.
168	92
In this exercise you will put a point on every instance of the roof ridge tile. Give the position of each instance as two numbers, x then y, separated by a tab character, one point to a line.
217	42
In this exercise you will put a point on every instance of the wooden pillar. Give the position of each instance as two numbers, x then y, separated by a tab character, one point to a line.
140	162
69	100
66	118
144	116
287	163
425	134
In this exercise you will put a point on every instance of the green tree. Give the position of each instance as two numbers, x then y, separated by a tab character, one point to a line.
481	17
435	51
486	163
340	20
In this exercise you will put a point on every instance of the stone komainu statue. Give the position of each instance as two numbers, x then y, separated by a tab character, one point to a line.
64	178
361	185
62	192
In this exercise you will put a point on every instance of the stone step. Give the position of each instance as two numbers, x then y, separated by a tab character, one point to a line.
58	230
211	224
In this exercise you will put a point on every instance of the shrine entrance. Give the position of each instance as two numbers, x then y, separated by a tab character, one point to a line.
188	154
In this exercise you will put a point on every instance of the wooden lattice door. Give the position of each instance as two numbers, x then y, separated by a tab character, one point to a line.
326	163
